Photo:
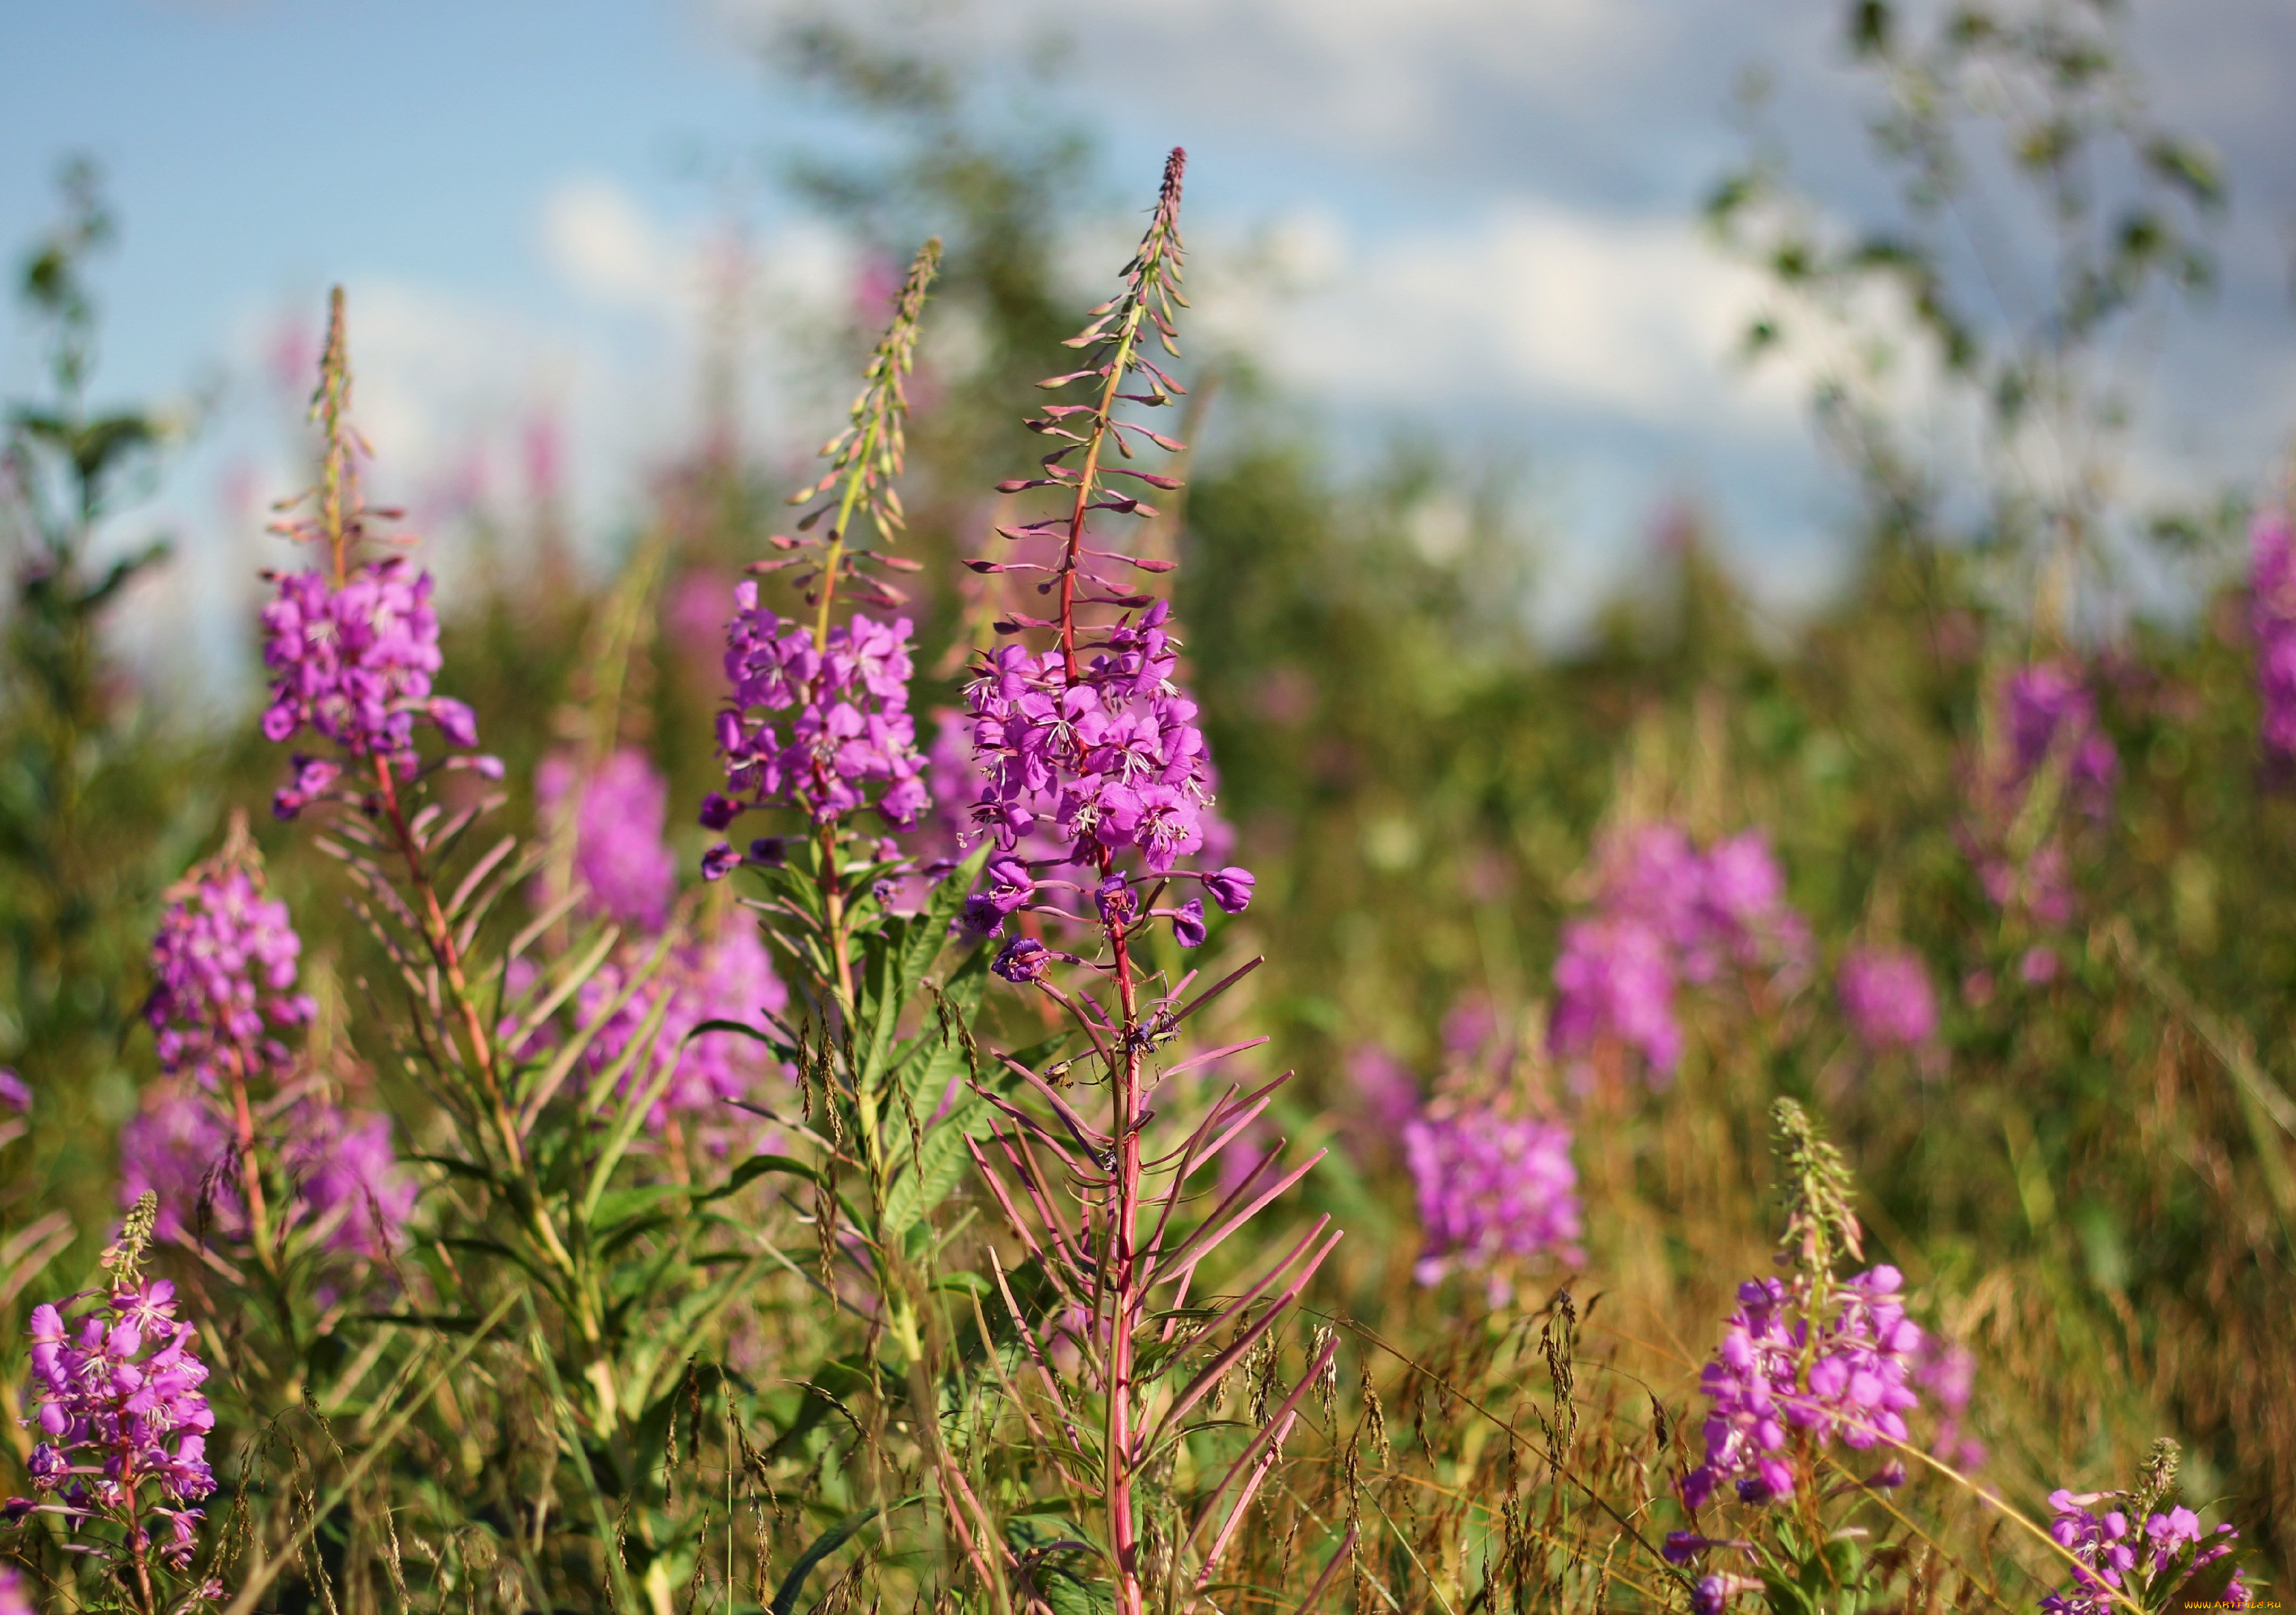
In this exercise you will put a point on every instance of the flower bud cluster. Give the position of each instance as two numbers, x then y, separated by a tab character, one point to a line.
1856	1385
2272	620
1491	1186
353	662
117	1396
224	967
2109	1555
850	733
1665	914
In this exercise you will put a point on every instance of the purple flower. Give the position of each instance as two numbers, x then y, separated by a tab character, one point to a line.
1856	1385
1948	1372
618	822
1023	960
350	1182
2272	620
2048	712
1665	914
343	1176
1230	889
179	1148
721	861
849	732
1388	1089
1188	928
1104	761
2110	1553
1887	996
14	1093
12	1598
116	1391
1491	1186
354	664
223	965
729	978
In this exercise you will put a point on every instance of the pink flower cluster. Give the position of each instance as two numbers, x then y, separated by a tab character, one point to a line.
618	820
1667	914
851	731
2049	712
224	963
2109	1552
117	1393
1947	1371
345	1182
1491	1186
1107	761
225	960
1856	1386
1888	997
727	979
2271	619
354	665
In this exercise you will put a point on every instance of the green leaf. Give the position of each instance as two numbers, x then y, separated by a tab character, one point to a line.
755	1167
2206	1588
616	1204
926	1181
1785	1598
786	1595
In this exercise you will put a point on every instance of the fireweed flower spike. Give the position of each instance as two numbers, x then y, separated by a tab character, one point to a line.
116	1399
1087	743
2272	620
1887	996
2168	1563
617	815
223	965
849	740
1666	915
352	645
1491	1186
1806	1359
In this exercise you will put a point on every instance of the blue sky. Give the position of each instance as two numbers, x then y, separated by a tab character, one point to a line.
1478	212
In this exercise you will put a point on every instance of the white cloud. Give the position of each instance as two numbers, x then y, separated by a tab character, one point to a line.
1624	317
603	245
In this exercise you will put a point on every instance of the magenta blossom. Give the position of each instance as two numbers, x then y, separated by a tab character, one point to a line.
848	742
2271	621
343	1175
1769	1375
1490	1187
2109	1555
618	821
1104	762
354	665
224	967
1667	915
1888	997
116	1394
729	978
2049	713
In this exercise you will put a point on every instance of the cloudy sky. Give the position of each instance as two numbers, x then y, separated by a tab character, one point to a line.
1481	209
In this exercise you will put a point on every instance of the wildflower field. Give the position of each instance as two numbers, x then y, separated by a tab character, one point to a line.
1049	1013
